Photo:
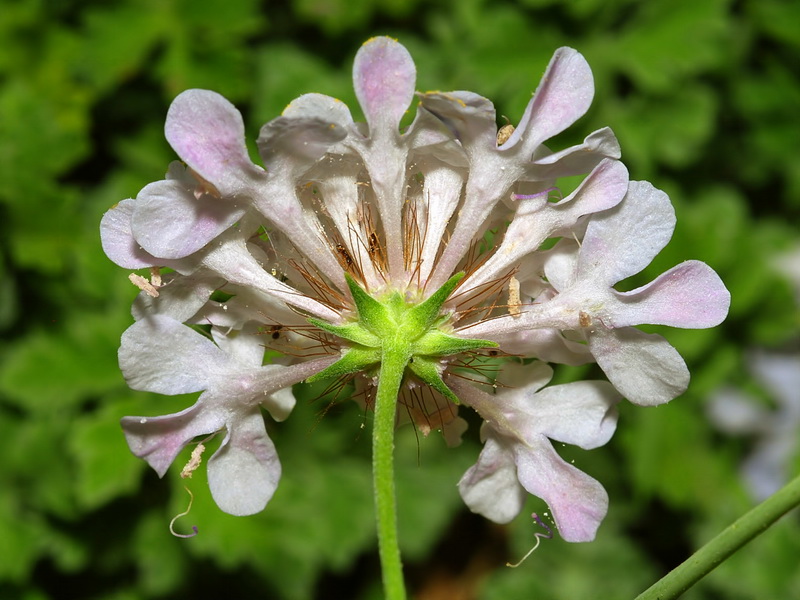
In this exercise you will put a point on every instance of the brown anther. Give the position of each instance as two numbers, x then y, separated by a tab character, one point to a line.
345	260
584	319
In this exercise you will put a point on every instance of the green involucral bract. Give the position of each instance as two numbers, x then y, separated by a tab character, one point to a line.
393	331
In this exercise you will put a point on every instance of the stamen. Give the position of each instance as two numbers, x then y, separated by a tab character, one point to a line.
183	514
514	302
144	285
504	133
539	536
325	293
194	461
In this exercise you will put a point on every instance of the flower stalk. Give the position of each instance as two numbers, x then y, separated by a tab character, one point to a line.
393	365
736	535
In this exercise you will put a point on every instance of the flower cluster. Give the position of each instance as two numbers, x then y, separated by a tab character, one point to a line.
360	244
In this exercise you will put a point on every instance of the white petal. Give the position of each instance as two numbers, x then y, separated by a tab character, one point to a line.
158	440
179	297
118	241
244	472
490	487
624	240
160	354
690	295
170	222
563	96
578	502
642	366
582	413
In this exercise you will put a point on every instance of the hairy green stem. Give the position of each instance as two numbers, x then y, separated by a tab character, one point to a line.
393	365
705	560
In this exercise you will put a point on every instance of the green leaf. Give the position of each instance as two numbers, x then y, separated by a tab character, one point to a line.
79	359
105	467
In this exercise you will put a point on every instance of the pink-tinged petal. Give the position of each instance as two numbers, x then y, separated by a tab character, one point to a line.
244	346
578	502
384	77
690	295
160	354
179	297
582	413
207	132
490	487
117	239
442	189
536	219
297	143
624	240
469	117
158	440
642	366
170	222
577	159
563	96
322	107
244	473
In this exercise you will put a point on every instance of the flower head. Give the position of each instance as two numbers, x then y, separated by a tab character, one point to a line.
360	251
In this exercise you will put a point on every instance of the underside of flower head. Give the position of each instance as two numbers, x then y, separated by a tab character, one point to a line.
360	244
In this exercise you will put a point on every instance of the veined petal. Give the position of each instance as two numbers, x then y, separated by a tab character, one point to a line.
536	220
577	159
158	440
470	117
624	240
160	354
690	295
563	96
578	502
243	473
490	487
644	367
384	77
229	258
179	297
118	241
442	193
207	132
582	413
322	107
169	221
296	143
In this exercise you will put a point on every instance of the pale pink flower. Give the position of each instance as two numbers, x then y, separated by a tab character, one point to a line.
342	210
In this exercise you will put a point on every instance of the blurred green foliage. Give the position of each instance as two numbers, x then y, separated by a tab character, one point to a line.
704	97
